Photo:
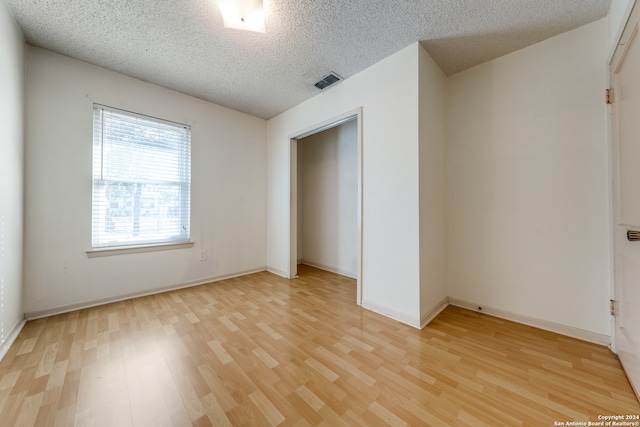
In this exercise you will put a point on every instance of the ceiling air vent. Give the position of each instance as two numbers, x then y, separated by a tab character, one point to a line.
328	80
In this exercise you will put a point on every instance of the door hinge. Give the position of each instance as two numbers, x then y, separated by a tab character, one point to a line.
612	307
609	96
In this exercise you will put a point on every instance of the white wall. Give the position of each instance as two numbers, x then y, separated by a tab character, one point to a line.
527	193
228	198
619	12
11	176
433	286
390	264
328	201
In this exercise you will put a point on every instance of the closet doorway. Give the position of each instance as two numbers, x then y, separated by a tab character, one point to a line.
326	198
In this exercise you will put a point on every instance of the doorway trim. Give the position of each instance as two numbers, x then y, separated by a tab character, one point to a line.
355	114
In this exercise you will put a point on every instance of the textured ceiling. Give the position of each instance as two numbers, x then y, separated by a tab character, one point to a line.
182	45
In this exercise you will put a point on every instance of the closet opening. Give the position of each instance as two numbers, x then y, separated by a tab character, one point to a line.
326	198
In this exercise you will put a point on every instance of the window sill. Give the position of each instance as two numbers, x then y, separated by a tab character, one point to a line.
125	250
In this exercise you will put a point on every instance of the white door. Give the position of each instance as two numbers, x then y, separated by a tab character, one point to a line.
625	76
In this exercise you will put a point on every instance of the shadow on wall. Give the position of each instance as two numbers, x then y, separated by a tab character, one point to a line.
455	54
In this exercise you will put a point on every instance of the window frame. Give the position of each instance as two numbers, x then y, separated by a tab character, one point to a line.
131	244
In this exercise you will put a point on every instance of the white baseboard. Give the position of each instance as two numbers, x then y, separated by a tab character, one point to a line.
431	314
15	331
420	323
392	314
79	306
278	272
329	269
546	325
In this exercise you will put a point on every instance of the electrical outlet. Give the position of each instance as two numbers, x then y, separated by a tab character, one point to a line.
203	255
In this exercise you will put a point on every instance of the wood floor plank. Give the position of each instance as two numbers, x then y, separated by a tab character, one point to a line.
262	350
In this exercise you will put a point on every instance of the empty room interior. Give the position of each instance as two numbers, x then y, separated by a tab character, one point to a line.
194	230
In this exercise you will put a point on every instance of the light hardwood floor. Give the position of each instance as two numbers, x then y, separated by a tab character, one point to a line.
262	350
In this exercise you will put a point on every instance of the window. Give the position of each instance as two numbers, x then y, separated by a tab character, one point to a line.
141	180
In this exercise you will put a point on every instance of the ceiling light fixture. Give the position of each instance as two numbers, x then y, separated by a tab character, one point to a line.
243	14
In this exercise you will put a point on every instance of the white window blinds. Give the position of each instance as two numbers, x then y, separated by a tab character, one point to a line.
141	179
